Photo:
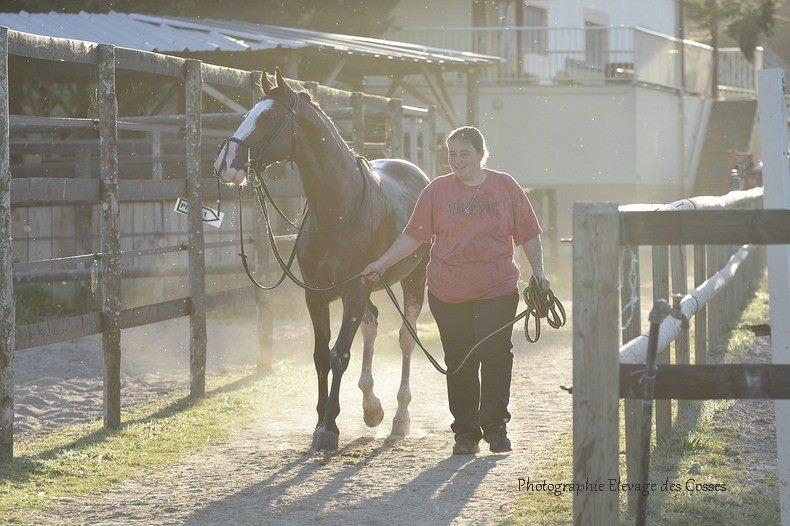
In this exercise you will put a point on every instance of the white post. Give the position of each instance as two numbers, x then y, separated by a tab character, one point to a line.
776	178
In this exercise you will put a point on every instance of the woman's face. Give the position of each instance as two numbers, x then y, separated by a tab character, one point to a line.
463	157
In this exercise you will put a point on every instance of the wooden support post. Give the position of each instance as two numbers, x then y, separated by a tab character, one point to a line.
633	408
7	306
425	146
197	263
157	171
83	228
358	131
554	229
776	177
701	318
110	236
596	386
264	321
414	130
396	128
660	256
677	256
430	143
160	208
472	97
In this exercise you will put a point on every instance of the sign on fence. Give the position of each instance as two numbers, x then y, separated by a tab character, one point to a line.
210	216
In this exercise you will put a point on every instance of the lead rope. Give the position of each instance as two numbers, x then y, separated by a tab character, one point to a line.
538	305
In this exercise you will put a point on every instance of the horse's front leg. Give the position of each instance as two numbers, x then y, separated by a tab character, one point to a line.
355	301
318	308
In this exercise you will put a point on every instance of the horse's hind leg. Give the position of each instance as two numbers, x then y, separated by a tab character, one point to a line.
413	296
371	406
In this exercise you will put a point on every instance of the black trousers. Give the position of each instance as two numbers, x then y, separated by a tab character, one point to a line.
479	393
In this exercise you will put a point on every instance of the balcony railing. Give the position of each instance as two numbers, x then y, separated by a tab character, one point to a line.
592	55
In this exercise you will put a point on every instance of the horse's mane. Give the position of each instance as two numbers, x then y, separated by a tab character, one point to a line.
325	118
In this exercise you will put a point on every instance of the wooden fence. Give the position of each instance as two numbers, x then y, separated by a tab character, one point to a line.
725	273
57	184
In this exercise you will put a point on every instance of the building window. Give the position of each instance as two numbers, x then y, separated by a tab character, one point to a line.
595	45
535	38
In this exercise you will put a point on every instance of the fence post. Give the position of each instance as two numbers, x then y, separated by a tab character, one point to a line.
596	366
395	111
197	261
660	256
715	313
7	306
776	173
358	131
701	318
632	328
677	256
263	309
110	237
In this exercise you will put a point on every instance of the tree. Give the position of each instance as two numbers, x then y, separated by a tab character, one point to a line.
746	22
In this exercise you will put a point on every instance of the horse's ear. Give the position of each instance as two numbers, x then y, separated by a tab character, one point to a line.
278	75
266	85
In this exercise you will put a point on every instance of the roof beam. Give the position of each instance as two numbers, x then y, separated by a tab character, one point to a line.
329	79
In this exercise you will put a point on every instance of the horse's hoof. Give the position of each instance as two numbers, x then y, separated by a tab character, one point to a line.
324	440
400	427
373	414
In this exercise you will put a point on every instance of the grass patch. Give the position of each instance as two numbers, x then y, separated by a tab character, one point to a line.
703	447
84	459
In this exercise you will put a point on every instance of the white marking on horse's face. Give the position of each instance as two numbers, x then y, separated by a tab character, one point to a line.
228	174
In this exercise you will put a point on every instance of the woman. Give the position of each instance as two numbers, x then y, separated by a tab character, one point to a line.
474	215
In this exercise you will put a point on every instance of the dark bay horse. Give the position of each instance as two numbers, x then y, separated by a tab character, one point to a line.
354	216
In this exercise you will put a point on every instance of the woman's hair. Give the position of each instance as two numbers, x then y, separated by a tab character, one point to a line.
473	136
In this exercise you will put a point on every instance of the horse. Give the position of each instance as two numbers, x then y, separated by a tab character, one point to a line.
356	211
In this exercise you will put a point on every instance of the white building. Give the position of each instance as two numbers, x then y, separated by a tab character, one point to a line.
589	98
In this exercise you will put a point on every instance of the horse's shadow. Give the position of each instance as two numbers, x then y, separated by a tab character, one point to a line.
436	494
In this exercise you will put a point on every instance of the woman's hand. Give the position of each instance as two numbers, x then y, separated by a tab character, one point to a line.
374	271
543	280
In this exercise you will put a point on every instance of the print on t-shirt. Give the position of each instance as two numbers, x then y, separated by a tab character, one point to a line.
477	208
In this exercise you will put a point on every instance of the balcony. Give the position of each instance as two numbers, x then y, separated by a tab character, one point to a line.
591	56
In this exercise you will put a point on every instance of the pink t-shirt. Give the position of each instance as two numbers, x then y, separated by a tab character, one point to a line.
475	229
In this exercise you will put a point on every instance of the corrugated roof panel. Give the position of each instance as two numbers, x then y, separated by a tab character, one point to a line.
173	35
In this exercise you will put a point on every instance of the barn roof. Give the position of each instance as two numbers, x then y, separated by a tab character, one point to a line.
182	35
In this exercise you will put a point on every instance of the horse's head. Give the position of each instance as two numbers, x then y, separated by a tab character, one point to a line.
266	135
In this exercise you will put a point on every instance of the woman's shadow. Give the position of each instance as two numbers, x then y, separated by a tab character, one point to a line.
436	495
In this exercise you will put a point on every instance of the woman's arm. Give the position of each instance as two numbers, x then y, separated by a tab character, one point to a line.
533	249
402	247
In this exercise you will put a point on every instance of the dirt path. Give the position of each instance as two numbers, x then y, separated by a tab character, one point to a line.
265	474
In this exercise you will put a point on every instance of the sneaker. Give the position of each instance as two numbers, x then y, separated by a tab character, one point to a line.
465	446
499	444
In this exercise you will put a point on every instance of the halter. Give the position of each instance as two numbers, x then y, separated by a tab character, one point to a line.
264	148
